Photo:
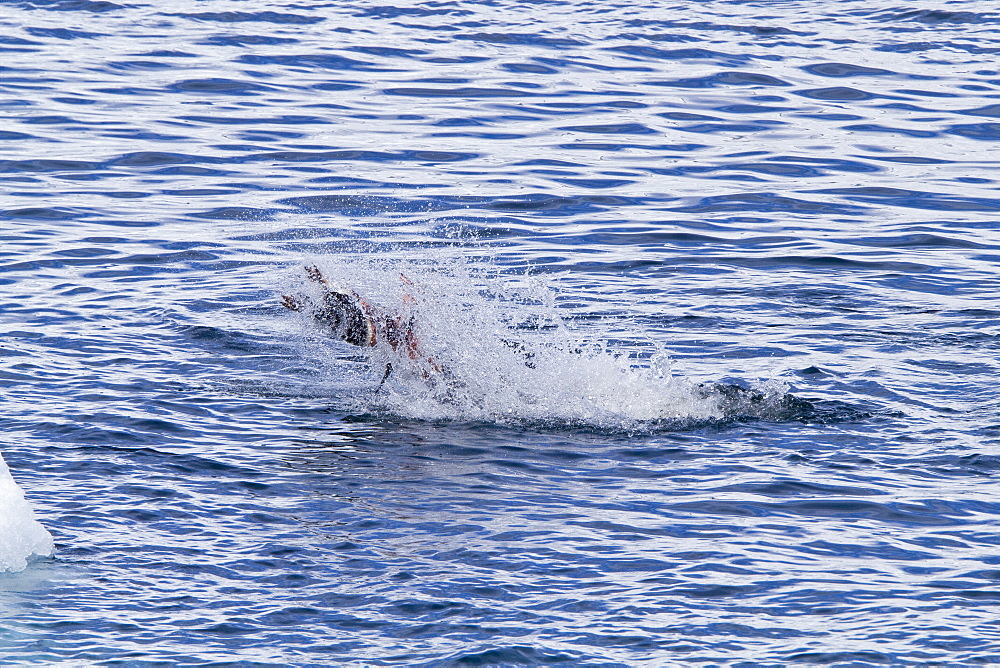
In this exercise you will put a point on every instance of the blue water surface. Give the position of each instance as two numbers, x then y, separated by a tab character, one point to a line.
793	196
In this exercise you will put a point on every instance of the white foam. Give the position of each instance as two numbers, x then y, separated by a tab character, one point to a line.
21	536
508	354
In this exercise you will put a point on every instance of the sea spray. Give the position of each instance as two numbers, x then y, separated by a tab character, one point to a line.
504	351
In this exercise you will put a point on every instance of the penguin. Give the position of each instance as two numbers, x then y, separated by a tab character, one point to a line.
344	314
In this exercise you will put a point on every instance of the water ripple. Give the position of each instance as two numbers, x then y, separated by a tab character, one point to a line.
714	287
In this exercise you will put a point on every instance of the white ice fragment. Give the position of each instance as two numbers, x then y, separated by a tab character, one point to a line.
21	536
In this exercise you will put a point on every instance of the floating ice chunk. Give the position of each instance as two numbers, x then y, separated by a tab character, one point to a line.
20	533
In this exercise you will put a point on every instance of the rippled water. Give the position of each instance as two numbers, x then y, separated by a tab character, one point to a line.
602	207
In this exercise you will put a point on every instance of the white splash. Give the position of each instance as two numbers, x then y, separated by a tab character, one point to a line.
21	536
507	354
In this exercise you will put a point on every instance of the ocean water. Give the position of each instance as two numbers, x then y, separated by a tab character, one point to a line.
605	212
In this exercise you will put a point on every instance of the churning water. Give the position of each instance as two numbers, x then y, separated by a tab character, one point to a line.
712	287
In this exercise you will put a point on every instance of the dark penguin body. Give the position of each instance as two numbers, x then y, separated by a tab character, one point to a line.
344	314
